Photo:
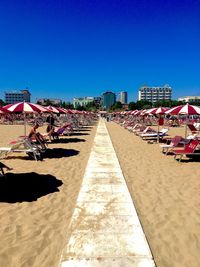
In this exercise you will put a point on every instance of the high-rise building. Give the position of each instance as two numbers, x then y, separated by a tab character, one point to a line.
155	93
15	97
108	99
123	97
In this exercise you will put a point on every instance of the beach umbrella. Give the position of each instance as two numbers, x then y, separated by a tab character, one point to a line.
52	109
184	110
135	112
68	111
4	110
156	111
25	108
62	110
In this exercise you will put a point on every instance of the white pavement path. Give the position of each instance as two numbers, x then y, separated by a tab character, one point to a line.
105	229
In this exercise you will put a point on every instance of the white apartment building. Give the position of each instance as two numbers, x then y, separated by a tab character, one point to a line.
155	93
190	99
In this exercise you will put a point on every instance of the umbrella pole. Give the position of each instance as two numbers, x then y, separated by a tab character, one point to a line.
24	124
158	135
186	129
158	139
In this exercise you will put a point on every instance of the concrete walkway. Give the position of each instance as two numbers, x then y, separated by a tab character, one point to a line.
105	230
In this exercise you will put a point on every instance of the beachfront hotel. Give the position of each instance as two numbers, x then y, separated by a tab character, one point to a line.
108	99
15	97
155	93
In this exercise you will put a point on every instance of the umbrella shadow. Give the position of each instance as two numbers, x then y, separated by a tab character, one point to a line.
84	130
68	140
78	134
191	158
27	187
60	153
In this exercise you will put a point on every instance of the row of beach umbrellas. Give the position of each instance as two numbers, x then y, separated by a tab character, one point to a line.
178	110
27	108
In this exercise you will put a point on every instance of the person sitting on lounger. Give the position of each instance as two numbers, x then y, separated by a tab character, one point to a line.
38	137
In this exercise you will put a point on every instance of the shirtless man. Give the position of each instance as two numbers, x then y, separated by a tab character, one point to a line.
38	137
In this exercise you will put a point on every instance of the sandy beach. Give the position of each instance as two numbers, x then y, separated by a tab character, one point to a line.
166	194
37	199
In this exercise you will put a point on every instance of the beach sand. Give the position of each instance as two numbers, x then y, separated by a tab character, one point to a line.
37	199
166	195
34	226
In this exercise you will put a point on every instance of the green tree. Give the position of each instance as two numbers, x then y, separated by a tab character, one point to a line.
91	106
132	106
143	104
116	106
2	103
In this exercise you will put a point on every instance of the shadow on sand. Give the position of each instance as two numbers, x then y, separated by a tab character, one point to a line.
59	153
27	187
78	134
68	140
50	153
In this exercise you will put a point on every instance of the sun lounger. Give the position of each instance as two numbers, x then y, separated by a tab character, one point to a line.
189	149
156	135
23	145
147	130
192	128
174	143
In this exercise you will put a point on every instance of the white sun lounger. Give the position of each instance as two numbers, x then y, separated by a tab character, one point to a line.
22	146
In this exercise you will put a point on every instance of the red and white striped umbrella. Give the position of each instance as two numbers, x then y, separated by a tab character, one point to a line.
184	110
159	110
52	109
25	107
62	110
135	112
3	110
69	111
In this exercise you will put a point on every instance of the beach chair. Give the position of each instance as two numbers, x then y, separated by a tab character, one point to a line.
192	128
22	145
2	167
175	141
189	149
58	132
136	127
156	135
147	130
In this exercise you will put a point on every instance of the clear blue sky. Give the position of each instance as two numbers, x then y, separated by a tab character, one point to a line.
74	48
